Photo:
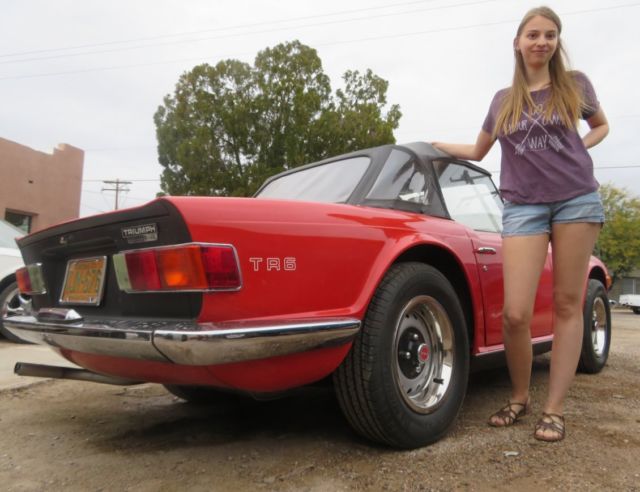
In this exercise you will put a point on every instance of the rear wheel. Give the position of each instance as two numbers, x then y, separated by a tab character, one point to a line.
404	380
11	302
596	337
636	310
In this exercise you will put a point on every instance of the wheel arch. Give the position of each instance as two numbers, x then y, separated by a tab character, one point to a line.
8	280
449	265
599	274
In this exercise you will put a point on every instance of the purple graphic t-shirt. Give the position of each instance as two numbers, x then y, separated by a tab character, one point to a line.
544	161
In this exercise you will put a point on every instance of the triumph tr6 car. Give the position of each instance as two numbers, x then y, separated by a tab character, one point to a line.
381	268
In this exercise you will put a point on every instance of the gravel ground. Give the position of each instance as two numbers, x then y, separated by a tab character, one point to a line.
66	435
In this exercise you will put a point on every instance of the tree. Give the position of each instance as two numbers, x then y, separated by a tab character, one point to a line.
204	130
619	241
355	120
228	127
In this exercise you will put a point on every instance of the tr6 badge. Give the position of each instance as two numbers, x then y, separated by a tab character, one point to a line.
288	264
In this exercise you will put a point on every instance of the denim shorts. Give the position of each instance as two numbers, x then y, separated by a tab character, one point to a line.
524	219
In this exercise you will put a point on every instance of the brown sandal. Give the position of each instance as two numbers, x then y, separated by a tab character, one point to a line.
509	415
549	422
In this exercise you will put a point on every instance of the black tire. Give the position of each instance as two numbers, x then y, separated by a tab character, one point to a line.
636	310
10	305
402	384
596	338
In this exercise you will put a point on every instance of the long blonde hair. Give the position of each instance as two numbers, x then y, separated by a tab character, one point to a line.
566	98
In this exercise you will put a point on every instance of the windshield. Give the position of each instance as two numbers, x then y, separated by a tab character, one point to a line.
471	196
329	183
8	233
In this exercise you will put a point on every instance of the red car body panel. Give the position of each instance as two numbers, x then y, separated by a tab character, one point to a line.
259	376
352	249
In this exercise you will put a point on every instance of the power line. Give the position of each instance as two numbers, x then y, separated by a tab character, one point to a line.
129	181
93	192
109	149
596	168
119	187
470	26
237	26
148	199
316	24
116	67
351	41
147	147
83	204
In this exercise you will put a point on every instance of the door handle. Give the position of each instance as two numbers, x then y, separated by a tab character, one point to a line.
485	250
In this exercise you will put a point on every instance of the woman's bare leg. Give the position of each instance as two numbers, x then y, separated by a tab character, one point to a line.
523	261
572	247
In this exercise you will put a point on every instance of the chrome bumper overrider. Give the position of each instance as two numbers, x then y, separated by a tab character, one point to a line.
185	342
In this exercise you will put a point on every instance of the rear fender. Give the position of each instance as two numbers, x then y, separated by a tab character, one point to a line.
309	260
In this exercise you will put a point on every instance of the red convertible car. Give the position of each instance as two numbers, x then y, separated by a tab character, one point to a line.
381	268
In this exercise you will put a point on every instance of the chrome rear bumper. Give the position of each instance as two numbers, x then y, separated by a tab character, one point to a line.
180	342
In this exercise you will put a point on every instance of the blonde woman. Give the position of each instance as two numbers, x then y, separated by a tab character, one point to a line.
550	194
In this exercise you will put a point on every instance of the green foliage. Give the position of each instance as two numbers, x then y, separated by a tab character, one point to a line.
225	129
619	242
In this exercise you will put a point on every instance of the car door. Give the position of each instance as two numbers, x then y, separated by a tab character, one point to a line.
473	200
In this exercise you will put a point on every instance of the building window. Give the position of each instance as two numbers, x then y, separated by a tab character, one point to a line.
20	220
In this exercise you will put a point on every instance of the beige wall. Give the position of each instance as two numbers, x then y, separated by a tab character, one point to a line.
46	186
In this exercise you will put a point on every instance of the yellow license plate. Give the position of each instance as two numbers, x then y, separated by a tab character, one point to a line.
84	281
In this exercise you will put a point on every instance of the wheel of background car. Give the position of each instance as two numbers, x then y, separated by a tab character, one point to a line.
596	337
200	395
11	305
405	377
636	310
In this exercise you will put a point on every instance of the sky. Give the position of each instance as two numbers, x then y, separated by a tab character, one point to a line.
92	73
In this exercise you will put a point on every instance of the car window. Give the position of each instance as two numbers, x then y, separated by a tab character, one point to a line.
470	196
402	178
8	235
333	182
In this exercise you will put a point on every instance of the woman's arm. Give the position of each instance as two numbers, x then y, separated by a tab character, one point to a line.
470	152
599	129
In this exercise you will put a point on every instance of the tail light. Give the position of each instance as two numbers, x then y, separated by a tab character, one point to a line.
31	280
187	267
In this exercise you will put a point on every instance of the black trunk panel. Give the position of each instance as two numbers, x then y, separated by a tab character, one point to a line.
103	235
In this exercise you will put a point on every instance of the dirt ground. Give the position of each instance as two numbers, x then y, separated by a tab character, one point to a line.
66	435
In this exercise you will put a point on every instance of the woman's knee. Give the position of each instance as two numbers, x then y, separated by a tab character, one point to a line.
515	320
566	305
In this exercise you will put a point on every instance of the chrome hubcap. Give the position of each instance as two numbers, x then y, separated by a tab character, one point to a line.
423	353
598	326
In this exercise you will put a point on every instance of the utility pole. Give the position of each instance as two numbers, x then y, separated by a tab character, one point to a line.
118	187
